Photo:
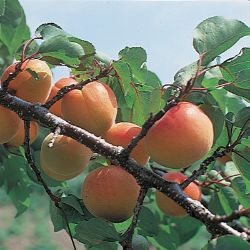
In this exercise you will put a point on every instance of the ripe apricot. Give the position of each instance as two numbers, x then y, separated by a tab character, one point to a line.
110	193
18	139
121	134
9	124
181	137
65	159
56	108
25	84
169	206
93	108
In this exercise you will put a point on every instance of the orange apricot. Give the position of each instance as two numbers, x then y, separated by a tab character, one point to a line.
121	134
93	108
65	158
170	207
18	139
28	86
56	108
110	193
181	137
9	124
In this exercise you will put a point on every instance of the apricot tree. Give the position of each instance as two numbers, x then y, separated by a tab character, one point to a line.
108	118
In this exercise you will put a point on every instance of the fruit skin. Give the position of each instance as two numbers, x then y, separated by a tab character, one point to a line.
110	193
121	134
93	108
9	124
181	137
56	108
26	86
66	159
18	139
169	206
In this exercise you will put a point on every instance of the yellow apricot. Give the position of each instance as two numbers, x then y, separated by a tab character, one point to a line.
56	108
18	139
9	124
170	207
93	108
110	193
121	134
181	137
25	85
64	158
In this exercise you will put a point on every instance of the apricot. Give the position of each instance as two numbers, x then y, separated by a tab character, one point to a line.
93	108
9	124
65	159
181	137
18	139
32	87
110	193
169	206
121	134
56	108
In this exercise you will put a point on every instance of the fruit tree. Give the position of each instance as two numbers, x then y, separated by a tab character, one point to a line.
147	153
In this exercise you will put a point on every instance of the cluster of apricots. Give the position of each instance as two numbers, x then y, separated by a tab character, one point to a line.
181	137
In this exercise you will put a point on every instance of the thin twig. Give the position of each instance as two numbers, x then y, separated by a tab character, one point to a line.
63	91
37	172
127	243
233	216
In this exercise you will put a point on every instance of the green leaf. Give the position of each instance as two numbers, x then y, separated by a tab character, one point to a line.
217	118
61	48
239	187
245	93
13	28
228	200
74	202
105	246
2	7
242	118
148	222
48	30
237	70
134	56
217	34
95	231
125	80
183	75
243	164
56	217
227	242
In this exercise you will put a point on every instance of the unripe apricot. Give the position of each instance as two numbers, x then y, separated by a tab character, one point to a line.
65	158
56	108
26	86
18	139
170	207
9	124
93	108
121	134
181	137
110	193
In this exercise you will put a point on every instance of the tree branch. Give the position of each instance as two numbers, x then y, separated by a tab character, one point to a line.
144	176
